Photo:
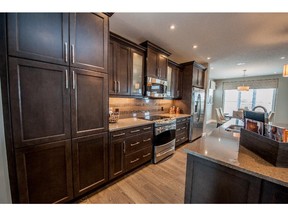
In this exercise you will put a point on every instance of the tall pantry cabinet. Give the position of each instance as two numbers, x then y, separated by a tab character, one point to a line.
56	72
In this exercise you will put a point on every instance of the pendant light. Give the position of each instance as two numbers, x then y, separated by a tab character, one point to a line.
243	87
285	70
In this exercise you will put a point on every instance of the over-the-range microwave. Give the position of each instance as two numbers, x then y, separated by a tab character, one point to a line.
156	88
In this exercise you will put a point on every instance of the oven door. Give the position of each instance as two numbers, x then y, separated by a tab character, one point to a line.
164	137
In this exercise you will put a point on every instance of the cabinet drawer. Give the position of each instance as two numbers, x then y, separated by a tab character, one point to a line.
118	134
136	143
181	139
182	120
135	159
137	130
182	128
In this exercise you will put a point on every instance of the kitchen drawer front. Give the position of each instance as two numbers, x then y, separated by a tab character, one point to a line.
138	130
182	128
135	159
182	120
181	139
136	143
118	135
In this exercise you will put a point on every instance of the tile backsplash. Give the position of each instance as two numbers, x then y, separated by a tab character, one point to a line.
128	106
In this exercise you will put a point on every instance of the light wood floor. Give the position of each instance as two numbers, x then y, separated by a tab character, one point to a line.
155	183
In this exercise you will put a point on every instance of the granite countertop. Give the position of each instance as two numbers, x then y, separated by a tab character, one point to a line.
223	147
134	122
128	123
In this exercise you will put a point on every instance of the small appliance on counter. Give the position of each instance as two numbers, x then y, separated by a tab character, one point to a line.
114	116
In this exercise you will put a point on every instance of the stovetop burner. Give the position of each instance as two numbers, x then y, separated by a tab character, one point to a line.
154	118
160	120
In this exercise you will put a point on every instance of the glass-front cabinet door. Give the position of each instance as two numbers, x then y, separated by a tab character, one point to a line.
137	72
169	81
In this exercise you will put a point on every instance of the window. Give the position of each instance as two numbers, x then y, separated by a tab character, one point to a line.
234	99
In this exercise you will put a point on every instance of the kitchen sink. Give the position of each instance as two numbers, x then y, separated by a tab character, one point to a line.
234	128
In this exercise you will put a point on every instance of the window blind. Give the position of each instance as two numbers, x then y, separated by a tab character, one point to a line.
253	84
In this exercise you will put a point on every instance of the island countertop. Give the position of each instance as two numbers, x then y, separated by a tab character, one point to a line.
222	147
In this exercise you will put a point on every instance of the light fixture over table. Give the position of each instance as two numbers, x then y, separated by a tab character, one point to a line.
285	70
243	87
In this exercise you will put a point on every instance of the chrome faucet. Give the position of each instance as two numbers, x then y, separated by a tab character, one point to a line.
265	110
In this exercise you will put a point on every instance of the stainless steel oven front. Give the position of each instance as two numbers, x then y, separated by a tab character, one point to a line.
164	140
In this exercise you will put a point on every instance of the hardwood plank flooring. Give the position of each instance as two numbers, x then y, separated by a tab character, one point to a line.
155	183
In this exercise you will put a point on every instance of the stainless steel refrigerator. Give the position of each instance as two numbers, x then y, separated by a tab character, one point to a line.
197	112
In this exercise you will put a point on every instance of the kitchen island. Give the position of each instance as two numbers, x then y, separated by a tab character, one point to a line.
219	170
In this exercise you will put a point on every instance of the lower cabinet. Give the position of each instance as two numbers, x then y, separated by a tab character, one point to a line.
129	148
44	173
210	182
90	162
182	130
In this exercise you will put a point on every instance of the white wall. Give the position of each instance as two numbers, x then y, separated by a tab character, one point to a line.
5	196
281	106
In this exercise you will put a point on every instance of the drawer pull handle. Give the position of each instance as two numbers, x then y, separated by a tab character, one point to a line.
183	138
178	129
147	140
146	155
133	161
117	135
134	131
133	144
147	128
183	128
177	140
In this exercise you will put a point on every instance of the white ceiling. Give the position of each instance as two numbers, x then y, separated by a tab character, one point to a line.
257	39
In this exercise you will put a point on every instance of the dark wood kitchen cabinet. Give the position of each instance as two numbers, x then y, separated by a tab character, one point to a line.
129	148
90	162
182	130
126	67
44	173
40	102
156	61
48	37
57	92
89	102
196	72
174	78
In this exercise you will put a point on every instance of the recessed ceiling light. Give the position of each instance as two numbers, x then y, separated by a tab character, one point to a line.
208	58
212	68
240	63
275	72
172	27
195	46
283	57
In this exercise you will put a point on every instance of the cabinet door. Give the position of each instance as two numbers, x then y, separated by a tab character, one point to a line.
137	64
116	159
40	102
162	65
273	193
170	81
123	70
152	63
89	41
39	36
112	67
90	162
44	173
195	76
89	102
201	78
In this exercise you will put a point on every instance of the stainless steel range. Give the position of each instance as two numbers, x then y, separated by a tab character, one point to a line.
164	136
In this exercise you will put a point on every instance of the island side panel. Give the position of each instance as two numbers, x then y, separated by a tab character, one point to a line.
209	182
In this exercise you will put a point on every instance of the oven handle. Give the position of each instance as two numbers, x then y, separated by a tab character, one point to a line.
163	153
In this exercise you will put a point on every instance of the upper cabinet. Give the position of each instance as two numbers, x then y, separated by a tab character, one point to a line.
126	67
156	61
47	37
174	79
198	73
